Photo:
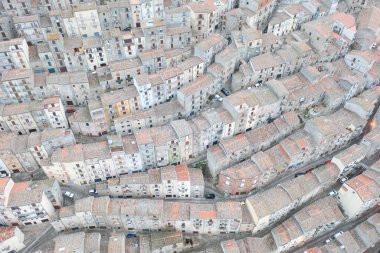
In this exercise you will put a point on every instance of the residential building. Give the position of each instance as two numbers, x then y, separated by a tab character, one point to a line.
261	12
203	18
18	84
159	115
42	144
251	42
154	31
120	102
209	47
193	97
30	28
348	160
168	182
367	35
34	116
360	238
326	215
361	192
87	19
78	242
177	17
266	210
123	71
12	239
178	37
73	87
14	54
7	28
32	202
192	68
95	53
355	6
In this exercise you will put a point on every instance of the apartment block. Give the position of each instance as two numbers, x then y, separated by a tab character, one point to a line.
203	18
209	47
14	54
215	218
19	84
194	96
31	202
359	193
34	116
168	182
12	239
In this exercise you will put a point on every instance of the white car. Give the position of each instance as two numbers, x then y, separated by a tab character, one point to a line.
338	234
93	192
343	179
329	240
219	98
242	203
68	194
333	193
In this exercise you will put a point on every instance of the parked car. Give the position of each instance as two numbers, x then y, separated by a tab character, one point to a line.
338	234
343	179
299	174
70	110
242	203
225	91
333	193
219	98
131	235
93	192
329	240
210	196
4	175
68	194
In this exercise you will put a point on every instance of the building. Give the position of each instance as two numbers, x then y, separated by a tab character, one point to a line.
266	210
30	117
31	202
152	215
42	144
261	12
87	19
203	18
19	85
349	159
360	238
360	193
367	35
168	182
72	87
14	54
12	239
77	242
302	226
209	47
194	96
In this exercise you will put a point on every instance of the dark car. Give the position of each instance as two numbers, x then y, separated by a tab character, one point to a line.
70	110
131	235
210	196
225	91
299	174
